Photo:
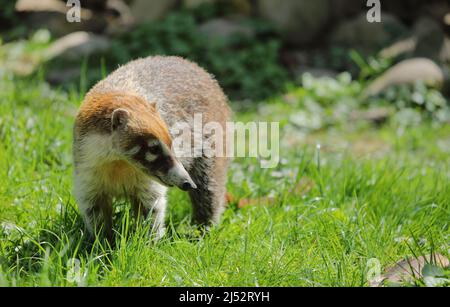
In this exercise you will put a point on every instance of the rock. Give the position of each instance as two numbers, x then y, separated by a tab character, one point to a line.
444	55
407	72
40	6
406	271
437	10
145	11
447	19
51	15
365	36
427	40
404	46
343	9
191	4
76	45
49	6
225	28
122	17
430	38
300	20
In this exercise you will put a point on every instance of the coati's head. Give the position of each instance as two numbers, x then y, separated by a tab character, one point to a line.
141	137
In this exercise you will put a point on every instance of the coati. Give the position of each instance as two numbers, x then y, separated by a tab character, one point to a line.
122	143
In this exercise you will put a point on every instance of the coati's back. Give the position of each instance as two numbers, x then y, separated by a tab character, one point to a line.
179	88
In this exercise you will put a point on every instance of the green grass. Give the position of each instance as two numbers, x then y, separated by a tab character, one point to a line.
369	193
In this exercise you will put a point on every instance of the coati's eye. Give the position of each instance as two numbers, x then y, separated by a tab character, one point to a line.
153	150
151	153
154	146
153	143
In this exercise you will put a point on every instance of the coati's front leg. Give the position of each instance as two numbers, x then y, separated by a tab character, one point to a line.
97	214
149	205
208	200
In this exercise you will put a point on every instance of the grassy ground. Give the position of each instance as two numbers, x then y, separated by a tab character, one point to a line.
316	220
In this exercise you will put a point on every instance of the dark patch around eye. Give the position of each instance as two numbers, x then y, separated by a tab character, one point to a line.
154	149
162	163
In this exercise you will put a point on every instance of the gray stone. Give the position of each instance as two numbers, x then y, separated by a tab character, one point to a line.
124	19
404	46
51	15
430	38
344	8
300	20
224	28
190	4
447	19
426	40
55	6
368	37
407	72
76	45
145	10
444	55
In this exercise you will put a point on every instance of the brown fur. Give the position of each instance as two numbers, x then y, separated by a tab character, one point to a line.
96	110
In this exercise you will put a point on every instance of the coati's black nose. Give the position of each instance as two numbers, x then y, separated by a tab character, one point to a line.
186	186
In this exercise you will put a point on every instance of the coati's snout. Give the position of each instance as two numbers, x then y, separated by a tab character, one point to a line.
147	147
179	177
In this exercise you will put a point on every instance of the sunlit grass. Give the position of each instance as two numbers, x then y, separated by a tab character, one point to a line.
323	226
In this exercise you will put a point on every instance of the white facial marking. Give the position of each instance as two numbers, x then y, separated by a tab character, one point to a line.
134	150
150	157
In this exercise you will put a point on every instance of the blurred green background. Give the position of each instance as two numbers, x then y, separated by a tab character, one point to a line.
253	47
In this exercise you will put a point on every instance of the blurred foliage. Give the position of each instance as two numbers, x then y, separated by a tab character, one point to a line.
330	91
209	10
23	56
7	14
371	67
329	101
10	23
246	66
416	102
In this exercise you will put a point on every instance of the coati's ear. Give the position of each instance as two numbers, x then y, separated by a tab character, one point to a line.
119	118
152	105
